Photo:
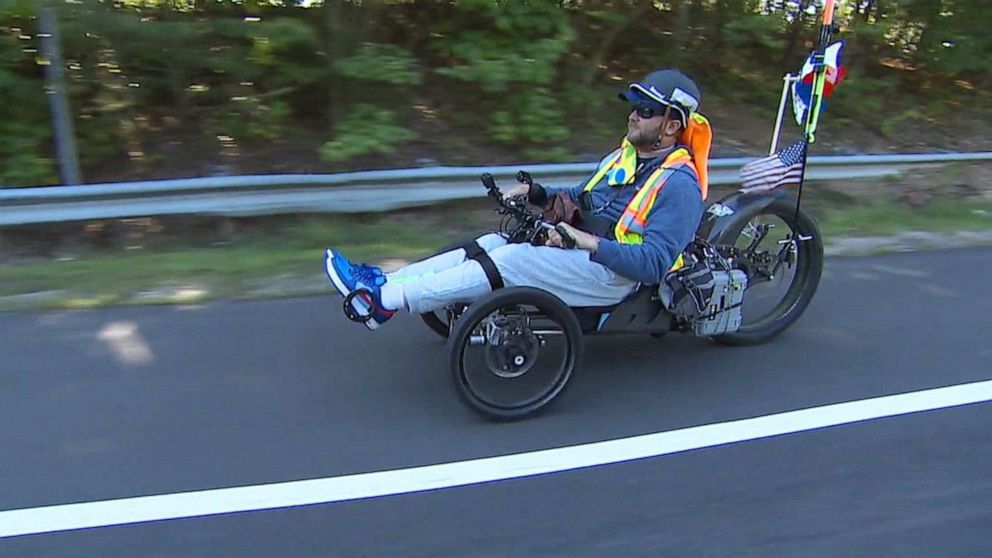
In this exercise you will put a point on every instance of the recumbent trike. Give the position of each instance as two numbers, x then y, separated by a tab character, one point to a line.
750	273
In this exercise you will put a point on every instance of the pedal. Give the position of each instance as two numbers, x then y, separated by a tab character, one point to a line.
349	309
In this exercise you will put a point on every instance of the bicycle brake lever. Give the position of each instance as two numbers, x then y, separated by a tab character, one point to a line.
490	183
567	239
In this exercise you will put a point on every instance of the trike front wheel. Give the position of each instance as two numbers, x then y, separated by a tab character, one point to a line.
512	353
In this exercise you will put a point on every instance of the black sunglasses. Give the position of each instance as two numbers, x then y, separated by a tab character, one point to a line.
647	112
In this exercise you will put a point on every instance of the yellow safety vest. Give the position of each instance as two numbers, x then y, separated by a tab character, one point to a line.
619	167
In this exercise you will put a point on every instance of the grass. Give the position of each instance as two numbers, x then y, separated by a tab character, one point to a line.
881	219
178	269
188	262
132	272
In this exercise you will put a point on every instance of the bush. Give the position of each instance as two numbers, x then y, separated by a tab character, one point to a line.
25	124
381	63
368	130
511	52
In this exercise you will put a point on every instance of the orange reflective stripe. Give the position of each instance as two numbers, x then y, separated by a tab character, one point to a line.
630	227
636	212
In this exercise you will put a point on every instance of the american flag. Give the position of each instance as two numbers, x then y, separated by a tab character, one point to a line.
780	169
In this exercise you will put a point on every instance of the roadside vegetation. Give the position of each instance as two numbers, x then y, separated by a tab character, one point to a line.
184	88
168	88
190	260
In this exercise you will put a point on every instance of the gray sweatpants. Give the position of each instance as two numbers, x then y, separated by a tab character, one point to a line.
433	283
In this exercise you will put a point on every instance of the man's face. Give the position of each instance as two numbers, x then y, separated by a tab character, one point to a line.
641	131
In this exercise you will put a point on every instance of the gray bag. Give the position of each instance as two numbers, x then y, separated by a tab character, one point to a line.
691	289
706	292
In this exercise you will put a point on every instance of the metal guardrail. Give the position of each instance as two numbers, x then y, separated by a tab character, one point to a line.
364	191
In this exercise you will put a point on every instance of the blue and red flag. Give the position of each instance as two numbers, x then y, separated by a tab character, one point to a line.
802	89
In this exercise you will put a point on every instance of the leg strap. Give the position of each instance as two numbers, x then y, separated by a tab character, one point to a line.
475	252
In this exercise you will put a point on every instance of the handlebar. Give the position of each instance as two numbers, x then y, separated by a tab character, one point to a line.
529	224
490	183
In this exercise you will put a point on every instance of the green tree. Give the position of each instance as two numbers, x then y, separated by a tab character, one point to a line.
373	125
510	52
25	124
348	79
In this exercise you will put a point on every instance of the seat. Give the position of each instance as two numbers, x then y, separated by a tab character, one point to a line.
641	311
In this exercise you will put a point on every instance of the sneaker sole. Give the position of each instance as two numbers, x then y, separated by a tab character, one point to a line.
343	290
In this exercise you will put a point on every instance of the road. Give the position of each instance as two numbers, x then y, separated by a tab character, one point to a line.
121	403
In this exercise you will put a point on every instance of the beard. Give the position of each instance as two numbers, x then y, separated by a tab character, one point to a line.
642	138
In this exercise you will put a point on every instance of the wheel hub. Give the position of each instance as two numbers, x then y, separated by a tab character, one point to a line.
513	353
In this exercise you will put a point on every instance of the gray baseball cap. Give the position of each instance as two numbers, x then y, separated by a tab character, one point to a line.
665	88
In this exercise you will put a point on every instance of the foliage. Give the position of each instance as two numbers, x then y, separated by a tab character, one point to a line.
380	63
25	134
756	33
286	51
367	130
254	119
511	52
24	157
535	78
863	98
533	118
384	73
22	164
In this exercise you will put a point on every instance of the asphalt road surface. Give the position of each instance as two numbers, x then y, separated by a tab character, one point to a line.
121	403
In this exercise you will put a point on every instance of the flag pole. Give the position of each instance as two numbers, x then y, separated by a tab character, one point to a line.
816	98
787	80
819	71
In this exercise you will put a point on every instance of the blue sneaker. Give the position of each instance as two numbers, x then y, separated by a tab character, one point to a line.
348	277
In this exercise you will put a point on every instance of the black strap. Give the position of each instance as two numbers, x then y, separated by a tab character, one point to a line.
475	252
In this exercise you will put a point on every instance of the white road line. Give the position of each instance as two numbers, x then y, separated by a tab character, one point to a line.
416	479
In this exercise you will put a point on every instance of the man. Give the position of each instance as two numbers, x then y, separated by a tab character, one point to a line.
640	209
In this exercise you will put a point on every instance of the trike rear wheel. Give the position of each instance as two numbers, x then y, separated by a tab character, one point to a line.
765	242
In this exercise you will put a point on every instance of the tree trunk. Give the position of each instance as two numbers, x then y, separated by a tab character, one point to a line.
681	30
930	11
718	18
